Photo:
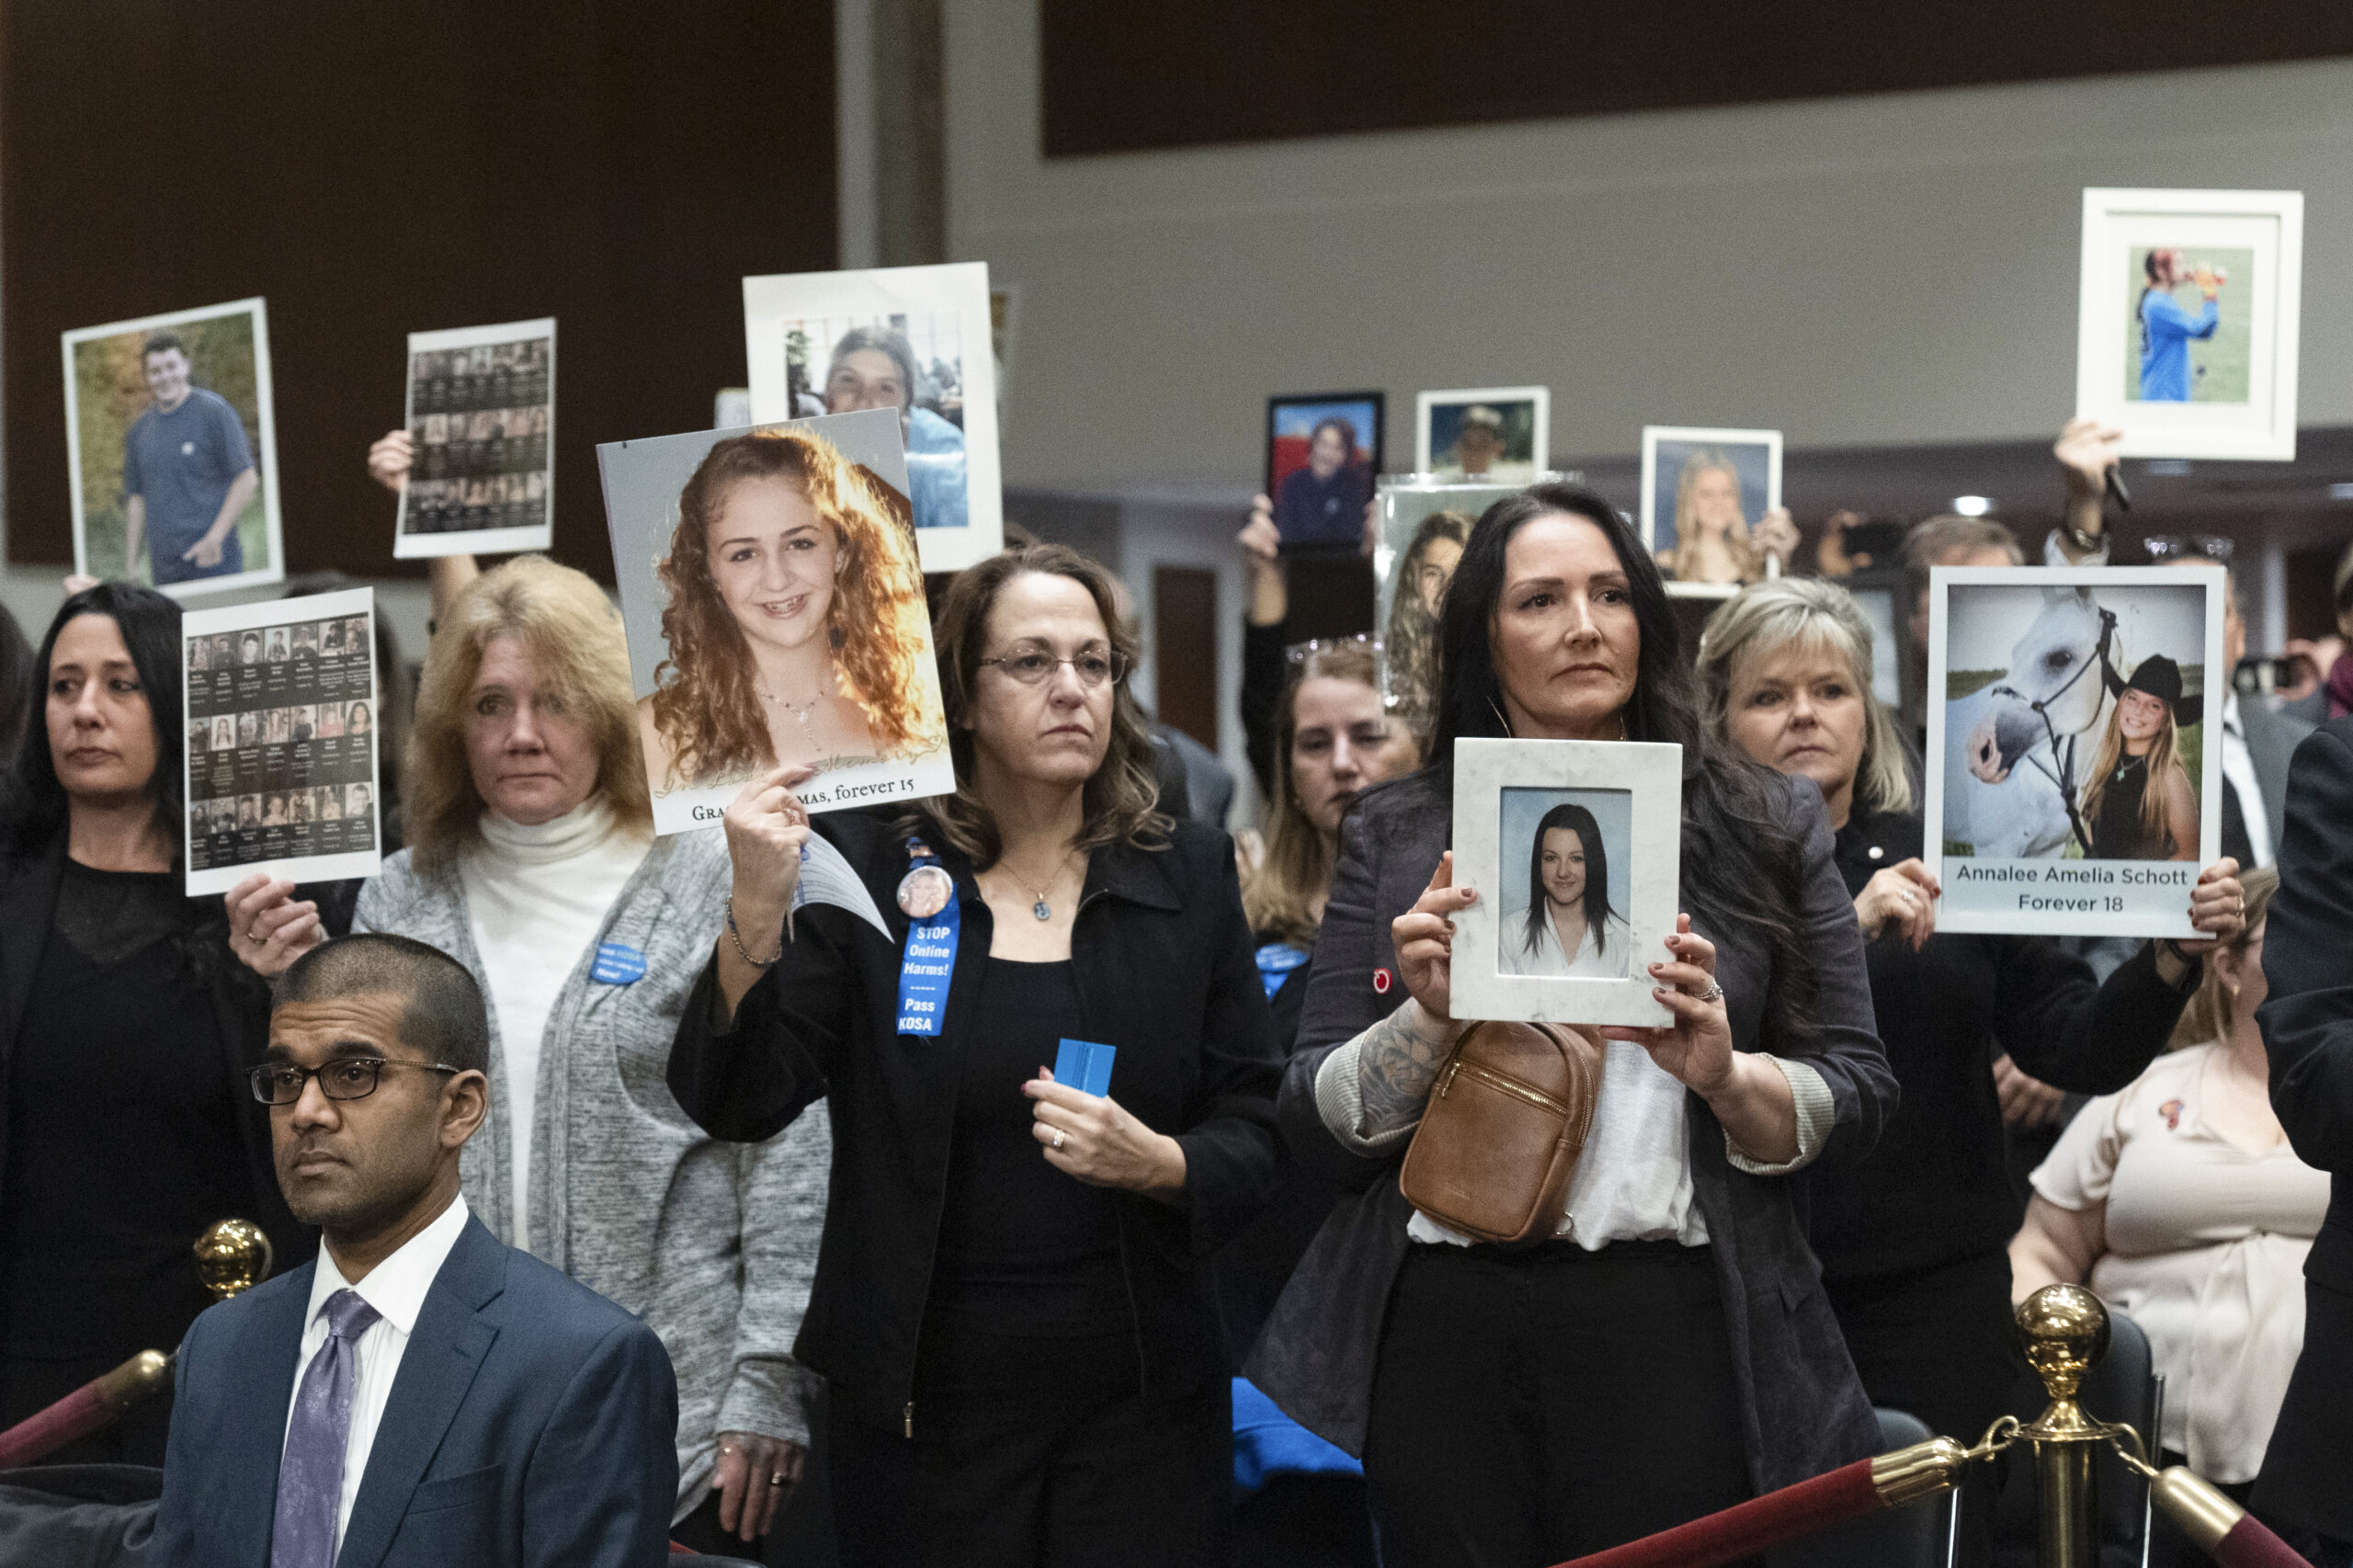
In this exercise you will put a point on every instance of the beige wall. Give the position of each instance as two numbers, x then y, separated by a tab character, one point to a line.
1860	271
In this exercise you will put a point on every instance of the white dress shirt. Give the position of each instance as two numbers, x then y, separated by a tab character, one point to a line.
396	1289
2238	767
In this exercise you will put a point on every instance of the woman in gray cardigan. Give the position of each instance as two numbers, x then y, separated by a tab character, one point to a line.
531	861
1668	1351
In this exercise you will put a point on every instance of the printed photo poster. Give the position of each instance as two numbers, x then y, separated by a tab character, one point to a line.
772	596
281	705
481	419
1491	436
918	340
173	449
2186	320
1423	525
1324	451
1703	490
2069	787
1576	846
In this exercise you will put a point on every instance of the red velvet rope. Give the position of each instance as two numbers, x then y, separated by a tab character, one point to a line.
2250	1545
1792	1514
34	1439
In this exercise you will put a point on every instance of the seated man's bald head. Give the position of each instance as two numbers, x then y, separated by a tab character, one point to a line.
445	1021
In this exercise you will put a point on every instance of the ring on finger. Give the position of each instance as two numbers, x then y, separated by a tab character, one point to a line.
777	1480
1060	1137
1711	994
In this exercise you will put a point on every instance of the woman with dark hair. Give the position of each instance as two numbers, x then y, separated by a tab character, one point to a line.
1568	928
874	366
1011	1308
1324	502
795	621
1668	1351
130	1127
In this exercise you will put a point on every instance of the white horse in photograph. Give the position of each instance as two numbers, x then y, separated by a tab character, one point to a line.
2017	751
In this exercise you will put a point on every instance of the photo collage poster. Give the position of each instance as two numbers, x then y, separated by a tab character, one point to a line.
919	340
481	425
2072	787
280	704
773	601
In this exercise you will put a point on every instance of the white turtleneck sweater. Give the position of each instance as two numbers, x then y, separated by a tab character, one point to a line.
536	898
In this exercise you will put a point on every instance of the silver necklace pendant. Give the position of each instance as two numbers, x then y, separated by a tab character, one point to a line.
1042	910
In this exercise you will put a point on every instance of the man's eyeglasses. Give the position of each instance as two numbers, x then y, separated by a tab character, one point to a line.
1031	667
346	1078
2190	547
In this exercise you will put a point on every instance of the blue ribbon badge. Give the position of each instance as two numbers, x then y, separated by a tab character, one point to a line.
618	964
929	960
1276	961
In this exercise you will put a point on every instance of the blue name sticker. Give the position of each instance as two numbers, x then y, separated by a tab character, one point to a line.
1276	961
1085	1065
618	964
925	968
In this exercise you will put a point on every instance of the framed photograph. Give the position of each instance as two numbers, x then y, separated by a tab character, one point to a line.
2186	320
773	600
2069	790
1423	525
281	712
482	415
1702	490
1494	436
917	339
1879	594
1577	849
175	451
1323	452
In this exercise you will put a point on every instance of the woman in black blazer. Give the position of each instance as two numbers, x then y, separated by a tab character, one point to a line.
129	1126
1010	1305
1669	1351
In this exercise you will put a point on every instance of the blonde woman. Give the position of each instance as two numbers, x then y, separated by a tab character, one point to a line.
2180	1202
1410	645
531	861
1712	543
2138	797
796	623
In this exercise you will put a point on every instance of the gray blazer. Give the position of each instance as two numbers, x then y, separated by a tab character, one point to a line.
2272	735
1802	1406
713	1245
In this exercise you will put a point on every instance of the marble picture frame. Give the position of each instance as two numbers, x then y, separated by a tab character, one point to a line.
1492	779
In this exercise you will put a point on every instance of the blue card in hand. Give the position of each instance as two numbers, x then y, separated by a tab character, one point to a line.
1084	1066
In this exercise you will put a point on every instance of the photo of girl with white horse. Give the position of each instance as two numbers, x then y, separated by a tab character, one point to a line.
2071	731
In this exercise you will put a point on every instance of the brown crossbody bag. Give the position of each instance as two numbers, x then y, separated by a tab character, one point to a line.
1503	1130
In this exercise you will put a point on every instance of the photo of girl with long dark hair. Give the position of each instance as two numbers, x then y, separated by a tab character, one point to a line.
1569	925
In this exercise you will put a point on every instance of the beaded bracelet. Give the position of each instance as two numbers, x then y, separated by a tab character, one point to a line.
738	937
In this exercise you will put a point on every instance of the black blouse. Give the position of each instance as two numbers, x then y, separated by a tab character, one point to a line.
1936	1188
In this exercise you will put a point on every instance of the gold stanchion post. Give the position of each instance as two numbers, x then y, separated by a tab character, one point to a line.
2066	1328
233	1257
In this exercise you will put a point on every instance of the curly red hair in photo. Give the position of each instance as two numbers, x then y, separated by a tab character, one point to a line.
705	701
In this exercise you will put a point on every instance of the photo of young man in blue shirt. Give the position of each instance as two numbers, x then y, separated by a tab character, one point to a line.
187	473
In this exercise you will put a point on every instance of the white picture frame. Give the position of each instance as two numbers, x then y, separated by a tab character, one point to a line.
1526	416
793	321
2006	780
412	544
1503	791
1756	456
2237	386
280	761
110	423
642	481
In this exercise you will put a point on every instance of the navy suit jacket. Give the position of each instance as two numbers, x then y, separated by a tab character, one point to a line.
530	1424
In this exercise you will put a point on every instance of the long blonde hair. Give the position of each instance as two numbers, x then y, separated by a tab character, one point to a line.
1281	896
705	704
2208	1015
1707	459
1765	617
579	658
2155	825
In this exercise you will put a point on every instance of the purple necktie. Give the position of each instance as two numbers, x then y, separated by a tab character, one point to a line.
309	1474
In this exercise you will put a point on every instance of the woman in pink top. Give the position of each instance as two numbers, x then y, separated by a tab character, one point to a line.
2180	1201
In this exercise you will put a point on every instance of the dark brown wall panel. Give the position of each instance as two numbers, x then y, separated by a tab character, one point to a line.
1122	77
406	166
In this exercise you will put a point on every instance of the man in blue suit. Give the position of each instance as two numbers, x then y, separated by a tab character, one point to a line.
422	1394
